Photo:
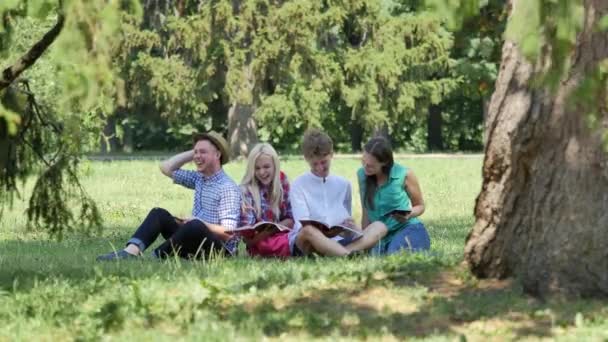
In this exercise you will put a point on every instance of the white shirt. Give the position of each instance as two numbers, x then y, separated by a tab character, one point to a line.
328	200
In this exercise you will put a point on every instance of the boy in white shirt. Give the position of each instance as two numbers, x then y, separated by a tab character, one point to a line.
317	195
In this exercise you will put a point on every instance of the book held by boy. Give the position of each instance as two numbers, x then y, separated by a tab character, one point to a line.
333	230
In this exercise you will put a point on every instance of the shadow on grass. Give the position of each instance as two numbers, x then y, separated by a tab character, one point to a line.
404	295
25	262
444	309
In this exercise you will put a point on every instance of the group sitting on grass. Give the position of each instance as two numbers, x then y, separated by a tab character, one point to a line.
275	219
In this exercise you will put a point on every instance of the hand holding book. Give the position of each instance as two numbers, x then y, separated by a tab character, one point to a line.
263	226
401	215
349	222
343	229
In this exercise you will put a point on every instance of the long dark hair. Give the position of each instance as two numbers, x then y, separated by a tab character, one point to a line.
380	148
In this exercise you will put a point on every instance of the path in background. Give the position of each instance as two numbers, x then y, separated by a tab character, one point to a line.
162	156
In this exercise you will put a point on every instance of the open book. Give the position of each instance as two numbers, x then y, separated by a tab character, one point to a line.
397	211
263	226
335	230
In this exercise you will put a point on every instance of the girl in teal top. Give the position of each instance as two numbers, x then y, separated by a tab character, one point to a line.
384	187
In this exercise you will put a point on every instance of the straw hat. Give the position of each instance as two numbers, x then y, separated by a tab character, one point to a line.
218	141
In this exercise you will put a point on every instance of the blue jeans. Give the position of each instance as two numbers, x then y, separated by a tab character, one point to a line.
413	238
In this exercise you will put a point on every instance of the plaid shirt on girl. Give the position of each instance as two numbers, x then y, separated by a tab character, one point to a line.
248	216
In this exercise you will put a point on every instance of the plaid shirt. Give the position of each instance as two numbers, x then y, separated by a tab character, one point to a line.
216	199
248	216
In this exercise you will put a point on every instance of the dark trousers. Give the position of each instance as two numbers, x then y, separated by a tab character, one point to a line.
187	240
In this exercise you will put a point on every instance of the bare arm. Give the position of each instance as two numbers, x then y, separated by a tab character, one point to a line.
174	163
413	190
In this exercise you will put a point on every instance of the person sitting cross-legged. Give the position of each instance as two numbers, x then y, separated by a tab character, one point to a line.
385	186
317	195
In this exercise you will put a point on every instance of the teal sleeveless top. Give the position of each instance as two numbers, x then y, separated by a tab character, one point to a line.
389	196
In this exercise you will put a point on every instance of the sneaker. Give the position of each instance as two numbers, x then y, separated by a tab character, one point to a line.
122	254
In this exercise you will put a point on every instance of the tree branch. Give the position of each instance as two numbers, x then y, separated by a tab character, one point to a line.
11	73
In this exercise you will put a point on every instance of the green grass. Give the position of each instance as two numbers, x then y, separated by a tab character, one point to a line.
54	290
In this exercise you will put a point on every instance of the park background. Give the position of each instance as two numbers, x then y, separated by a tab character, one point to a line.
111	86
267	71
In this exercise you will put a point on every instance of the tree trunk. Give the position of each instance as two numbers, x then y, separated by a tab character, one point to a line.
218	110
542	212
155	13
242	130
486	109
381	131
356	136
434	140
109	142
128	145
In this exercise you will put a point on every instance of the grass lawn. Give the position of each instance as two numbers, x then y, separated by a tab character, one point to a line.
55	290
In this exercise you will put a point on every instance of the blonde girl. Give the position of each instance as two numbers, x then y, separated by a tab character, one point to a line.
265	191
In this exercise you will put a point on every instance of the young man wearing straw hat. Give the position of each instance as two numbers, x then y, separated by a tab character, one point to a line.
215	210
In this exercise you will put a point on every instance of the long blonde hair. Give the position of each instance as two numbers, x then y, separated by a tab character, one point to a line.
250	183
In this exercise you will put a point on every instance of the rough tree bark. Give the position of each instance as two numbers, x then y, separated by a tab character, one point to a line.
242	128
542	212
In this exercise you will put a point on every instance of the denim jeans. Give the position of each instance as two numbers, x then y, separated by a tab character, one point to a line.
413	238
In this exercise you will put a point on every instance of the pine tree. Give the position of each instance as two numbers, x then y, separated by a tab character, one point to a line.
33	140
